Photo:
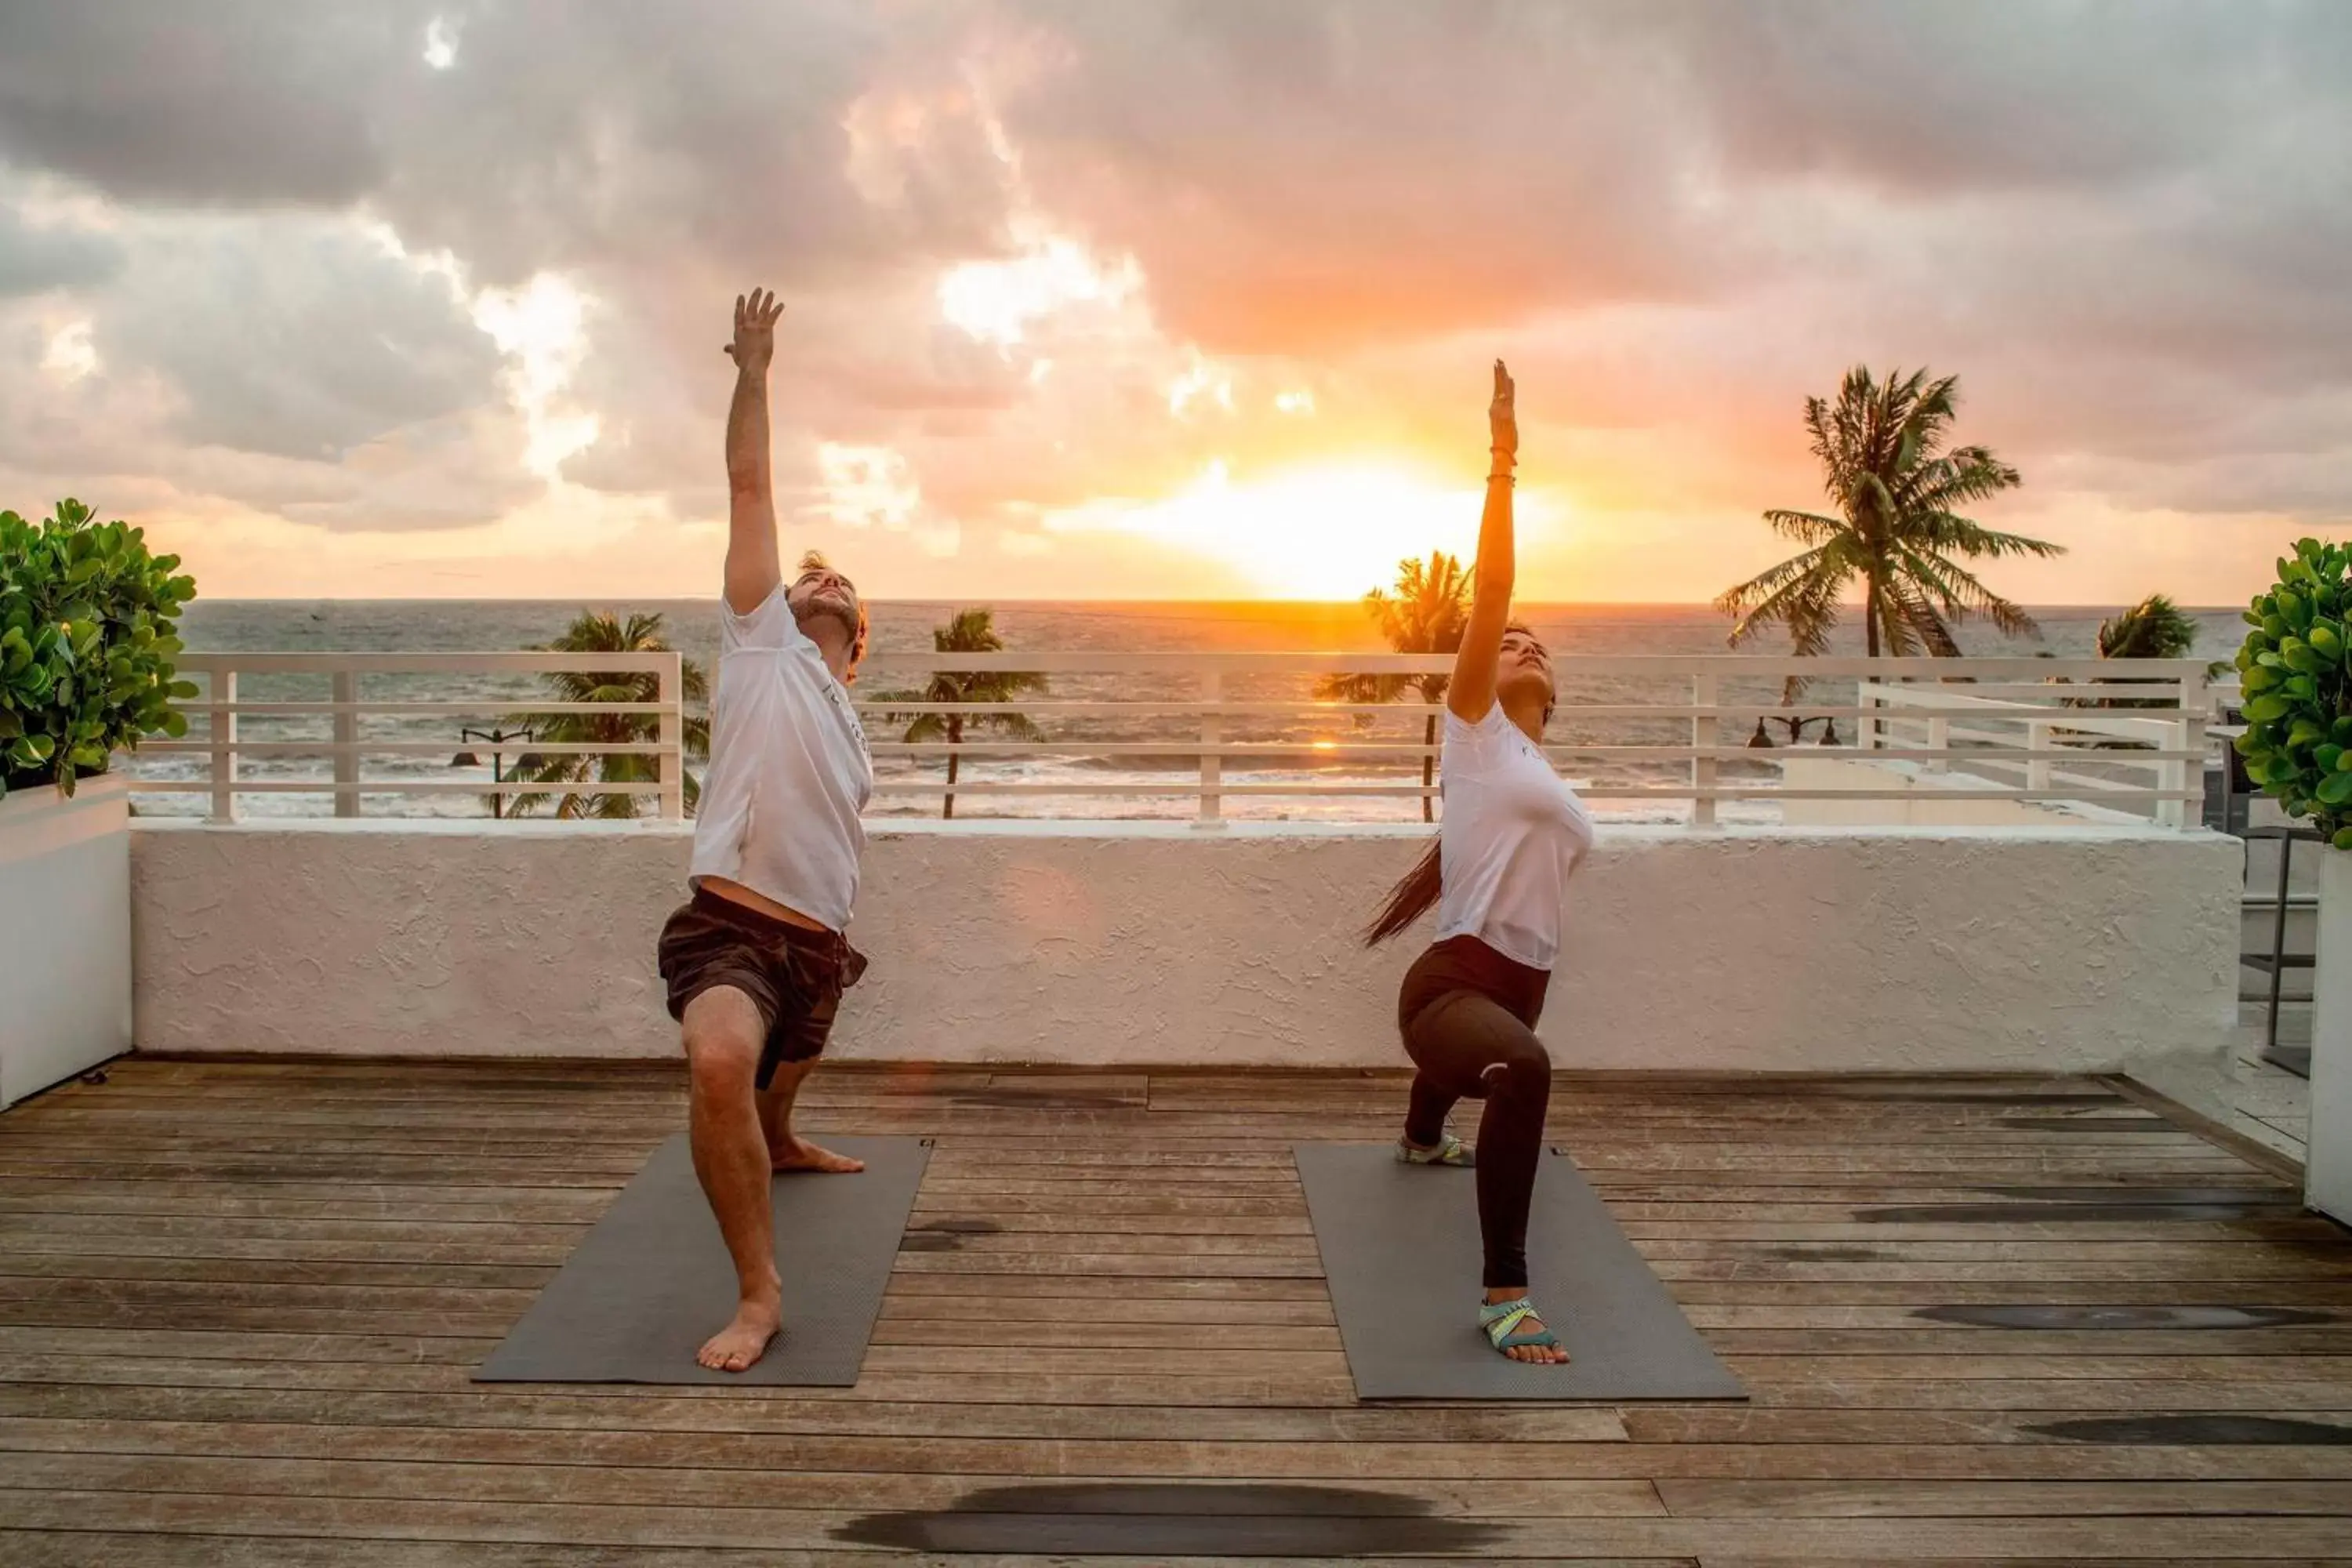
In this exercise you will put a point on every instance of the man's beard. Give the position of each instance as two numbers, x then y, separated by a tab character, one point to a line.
820	608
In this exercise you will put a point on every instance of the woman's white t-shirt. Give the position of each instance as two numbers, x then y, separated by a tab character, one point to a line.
789	770
1512	835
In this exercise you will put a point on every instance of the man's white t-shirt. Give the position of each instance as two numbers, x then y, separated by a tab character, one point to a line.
789	770
1512	835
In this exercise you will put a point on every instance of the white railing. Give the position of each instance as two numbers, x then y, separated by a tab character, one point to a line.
1206	729
1726	693
2150	761
217	725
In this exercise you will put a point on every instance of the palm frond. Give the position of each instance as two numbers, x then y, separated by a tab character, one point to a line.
1916	608
1959	478
1798	593
1810	526
1018	725
1959	594
1942	533
1360	689
596	631
2154	628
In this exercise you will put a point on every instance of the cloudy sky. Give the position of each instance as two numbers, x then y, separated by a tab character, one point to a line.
379	297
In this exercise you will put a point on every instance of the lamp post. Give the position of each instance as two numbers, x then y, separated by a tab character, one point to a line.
498	776
1797	730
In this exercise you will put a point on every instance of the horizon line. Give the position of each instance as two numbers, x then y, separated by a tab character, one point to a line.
992	599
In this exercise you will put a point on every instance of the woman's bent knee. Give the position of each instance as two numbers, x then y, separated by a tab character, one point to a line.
1526	1069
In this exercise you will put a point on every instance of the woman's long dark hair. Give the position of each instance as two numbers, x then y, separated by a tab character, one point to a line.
1417	891
1410	899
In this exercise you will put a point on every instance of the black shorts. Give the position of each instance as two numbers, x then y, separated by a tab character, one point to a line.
793	975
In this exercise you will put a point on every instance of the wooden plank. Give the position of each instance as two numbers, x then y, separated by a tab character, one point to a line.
2019	1459
298	1105
43	1230
744	1526
1246	1383
2323	1294
179	1342
2123	1320
97	1325
611	1485
388	1275
111	1548
327	1200
601	1408
1242	1378
1951	1499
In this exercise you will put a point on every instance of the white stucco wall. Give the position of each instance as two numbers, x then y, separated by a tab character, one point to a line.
1919	806
1768	949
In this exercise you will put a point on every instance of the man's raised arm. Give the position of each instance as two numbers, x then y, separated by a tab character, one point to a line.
753	567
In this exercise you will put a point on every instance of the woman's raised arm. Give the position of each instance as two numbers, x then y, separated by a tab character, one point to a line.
1471	691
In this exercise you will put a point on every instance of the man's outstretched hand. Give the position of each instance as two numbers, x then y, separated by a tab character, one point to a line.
755	329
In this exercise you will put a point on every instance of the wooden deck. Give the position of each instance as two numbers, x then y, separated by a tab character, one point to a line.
1982	1319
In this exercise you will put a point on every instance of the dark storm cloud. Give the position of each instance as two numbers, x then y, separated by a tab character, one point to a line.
605	136
645	141
1919	98
226	102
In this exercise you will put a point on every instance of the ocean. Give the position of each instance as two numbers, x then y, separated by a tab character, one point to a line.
691	626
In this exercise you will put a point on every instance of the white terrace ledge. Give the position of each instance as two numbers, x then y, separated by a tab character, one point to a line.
2074	946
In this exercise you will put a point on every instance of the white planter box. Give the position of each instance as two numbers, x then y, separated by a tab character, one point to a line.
2328	1159
65	934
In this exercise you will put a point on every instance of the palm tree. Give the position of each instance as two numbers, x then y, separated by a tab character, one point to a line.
1426	614
1895	527
971	631
600	631
2154	628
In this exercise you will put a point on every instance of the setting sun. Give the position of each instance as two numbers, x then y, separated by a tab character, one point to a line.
1320	532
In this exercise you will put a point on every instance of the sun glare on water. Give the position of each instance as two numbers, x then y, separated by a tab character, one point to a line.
1308	533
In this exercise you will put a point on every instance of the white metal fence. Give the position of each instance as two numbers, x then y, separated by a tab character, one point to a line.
1206	734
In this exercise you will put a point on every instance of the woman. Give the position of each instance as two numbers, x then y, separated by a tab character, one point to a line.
1512	833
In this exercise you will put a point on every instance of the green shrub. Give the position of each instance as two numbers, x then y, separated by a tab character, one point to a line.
2298	739
87	624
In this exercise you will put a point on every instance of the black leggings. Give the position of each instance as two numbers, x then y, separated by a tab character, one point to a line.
1468	1017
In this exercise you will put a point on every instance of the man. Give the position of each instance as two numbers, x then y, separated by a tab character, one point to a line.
756	962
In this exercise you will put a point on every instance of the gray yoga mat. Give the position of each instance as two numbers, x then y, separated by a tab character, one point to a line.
652	1282
1400	1247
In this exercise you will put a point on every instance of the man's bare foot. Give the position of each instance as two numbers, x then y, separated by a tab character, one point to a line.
745	1340
800	1155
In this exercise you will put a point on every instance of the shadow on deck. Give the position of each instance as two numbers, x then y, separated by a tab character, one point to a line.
1980	1318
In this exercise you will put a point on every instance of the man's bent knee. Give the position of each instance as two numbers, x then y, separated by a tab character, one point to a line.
723	1038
